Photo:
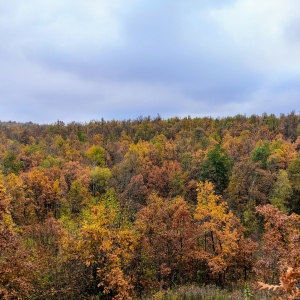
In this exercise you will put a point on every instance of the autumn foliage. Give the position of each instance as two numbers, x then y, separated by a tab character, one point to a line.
124	209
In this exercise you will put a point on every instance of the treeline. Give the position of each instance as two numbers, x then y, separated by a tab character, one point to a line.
119	209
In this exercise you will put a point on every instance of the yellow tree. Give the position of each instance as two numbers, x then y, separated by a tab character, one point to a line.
106	248
20	206
15	266
96	155
219	231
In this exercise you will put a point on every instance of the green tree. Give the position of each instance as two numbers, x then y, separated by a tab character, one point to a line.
100	177
282	191
11	164
261	153
96	155
78	197
216	168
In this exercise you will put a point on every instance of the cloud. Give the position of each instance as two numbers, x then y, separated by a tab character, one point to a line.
82	60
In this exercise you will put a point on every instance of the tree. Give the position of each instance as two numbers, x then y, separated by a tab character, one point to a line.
261	153
280	243
11	164
106	249
282	191
167	180
165	253
96	155
16	268
281	154
100	177
219	231
239	147
216	168
73	170
78	197
20	206
249	186
40	195
135	193
294	178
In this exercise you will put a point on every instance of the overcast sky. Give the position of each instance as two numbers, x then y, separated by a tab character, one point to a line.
81	60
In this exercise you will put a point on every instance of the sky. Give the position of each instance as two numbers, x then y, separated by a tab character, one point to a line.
83	60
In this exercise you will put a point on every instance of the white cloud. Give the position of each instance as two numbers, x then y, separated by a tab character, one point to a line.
257	31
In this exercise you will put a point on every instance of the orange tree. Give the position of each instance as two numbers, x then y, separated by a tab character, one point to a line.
167	245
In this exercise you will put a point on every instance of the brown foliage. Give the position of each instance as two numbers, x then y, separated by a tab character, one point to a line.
289	285
167	180
167	241
280	244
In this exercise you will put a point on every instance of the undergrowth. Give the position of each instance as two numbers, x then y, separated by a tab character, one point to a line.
210	293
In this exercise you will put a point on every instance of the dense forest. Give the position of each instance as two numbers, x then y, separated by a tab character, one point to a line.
130	209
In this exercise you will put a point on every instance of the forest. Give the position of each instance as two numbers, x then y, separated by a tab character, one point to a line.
150	208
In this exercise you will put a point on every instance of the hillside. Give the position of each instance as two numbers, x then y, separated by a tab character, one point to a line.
124	209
